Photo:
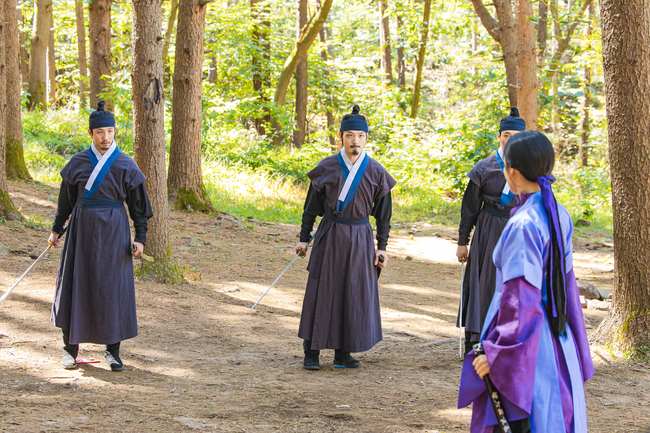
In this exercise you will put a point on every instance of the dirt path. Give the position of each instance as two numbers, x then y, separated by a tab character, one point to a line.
203	361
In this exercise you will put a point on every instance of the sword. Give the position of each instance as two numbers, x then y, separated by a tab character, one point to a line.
285	270
495	398
5	294
460	317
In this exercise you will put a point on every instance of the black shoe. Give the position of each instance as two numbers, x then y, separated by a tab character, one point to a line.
344	360
113	360
311	362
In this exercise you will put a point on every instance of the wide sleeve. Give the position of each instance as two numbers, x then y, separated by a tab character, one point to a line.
65	205
313	208
511	346
383	212
469	211
134	177
140	210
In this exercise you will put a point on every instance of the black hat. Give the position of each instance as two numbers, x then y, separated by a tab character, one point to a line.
101	118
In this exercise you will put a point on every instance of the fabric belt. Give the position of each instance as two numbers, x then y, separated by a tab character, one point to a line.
493	210
346	221
98	203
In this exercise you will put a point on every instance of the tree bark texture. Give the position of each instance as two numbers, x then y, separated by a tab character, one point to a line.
7	208
504	32
38	55
302	79
149	148
14	158
81	49
328	111
384	42
261	59
586	100
309	34
527	64
185	181
419	66
542	33
99	32
401	64
51	65
24	63
626	67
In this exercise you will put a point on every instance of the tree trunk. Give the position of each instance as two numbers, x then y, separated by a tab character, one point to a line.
81	48
149	147
168	36
261	62
302	78
212	71
7	208
626	66
51	65
422	50
509	35
384	42
99	31
328	111
185	181
586	101
542	33
24	63
401	65
38	55
309	34
14	159
555	84
527	64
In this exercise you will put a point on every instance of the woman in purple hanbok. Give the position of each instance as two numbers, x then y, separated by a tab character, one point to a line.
534	337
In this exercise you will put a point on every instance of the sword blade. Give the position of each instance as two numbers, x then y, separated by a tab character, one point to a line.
5	294
460	318
276	280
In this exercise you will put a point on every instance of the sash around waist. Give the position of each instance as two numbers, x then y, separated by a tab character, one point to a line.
98	203
493	210
346	221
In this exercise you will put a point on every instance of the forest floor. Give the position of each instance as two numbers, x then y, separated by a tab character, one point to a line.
202	361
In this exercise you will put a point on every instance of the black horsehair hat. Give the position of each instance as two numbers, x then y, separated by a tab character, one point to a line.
101	118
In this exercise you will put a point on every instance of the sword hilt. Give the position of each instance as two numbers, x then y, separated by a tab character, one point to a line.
495	397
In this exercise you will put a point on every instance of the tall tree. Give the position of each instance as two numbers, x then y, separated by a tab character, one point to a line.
149	147
542	32
260	14
38	55
185	181
401	64
586	100
503	31
527	64
14	157
51	65
7	208
171	22
81	50
99	32
626	63
419	65
302	78
24	63
384	42
328	112
308	35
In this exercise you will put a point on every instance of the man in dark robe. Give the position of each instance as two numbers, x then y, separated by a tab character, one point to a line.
487	203
341	306
94	301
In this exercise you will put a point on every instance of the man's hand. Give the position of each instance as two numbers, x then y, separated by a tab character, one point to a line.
481	366
383	264
301	249
462	253
53	240
139	248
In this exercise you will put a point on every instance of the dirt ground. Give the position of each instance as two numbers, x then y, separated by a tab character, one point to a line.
202	361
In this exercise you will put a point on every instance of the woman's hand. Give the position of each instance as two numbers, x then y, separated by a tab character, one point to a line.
481	366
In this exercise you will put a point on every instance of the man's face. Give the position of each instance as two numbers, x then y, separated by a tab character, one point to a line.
102	137
354	141
504	136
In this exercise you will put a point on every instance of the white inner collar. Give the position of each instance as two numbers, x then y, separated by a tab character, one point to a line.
347	161
97	153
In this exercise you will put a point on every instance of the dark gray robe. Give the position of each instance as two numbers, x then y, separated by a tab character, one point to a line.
341	305
95	291
485	212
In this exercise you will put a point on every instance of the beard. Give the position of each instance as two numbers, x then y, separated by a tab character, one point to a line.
355	151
